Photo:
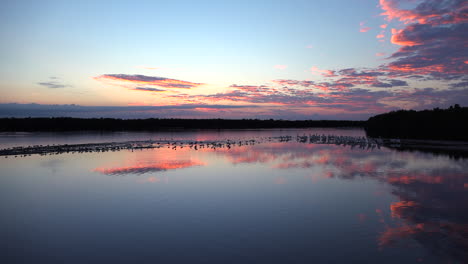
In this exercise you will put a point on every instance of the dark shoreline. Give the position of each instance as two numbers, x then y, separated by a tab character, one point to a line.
62	124
436	124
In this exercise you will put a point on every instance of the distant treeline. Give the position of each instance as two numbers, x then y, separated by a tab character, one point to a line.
448	124
443	124
154	124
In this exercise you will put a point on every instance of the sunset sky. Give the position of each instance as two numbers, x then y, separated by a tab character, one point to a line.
321	59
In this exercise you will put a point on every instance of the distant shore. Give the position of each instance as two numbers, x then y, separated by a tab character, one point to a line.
62	124
436	124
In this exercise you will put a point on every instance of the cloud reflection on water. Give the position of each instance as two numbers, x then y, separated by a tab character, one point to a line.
431	190
148	168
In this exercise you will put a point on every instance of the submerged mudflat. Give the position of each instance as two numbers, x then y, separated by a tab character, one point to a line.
458	148
361	142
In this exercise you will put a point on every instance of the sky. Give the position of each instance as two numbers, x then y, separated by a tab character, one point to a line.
321	59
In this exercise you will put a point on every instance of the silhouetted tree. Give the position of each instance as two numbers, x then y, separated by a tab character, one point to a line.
449	124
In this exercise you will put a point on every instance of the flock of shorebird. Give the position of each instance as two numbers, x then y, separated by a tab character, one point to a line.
361	142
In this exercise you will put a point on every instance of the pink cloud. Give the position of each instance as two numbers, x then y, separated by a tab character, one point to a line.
364	29
147	80
391	11
309	46
396	31
149	168
316	71
324	95
430	47
305	83
433	12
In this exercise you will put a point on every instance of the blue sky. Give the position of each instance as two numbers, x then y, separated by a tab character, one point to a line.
69	52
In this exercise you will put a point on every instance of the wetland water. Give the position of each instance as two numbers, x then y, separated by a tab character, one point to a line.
271	202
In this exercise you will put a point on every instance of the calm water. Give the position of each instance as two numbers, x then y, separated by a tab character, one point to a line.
283	202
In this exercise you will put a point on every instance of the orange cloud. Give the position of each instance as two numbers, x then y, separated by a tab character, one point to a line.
401	37
398	208
393	12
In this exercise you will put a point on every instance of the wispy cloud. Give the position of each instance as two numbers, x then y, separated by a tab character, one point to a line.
54	83
137	169
294	83
149	89
368	77
363	28
138	79
317	71
350	100
356	100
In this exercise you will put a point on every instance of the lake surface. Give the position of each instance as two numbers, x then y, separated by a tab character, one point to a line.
271	202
